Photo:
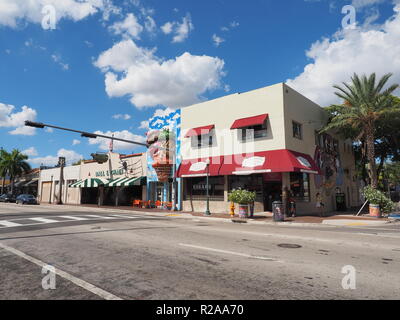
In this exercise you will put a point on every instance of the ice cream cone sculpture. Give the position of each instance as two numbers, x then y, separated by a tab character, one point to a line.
161	149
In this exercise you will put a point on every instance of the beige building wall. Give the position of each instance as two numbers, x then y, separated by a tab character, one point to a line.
284	105
312	118
224	111
49	185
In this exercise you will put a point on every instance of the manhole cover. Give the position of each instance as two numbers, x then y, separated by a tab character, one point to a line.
289	245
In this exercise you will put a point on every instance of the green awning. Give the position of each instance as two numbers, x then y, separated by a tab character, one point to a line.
125	182
89	183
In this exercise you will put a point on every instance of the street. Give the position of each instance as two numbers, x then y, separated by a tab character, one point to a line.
109	254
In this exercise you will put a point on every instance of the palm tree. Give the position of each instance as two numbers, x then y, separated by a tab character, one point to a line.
16	165
365	102
3	168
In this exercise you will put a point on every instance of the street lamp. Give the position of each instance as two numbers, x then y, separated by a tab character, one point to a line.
207	213
84	134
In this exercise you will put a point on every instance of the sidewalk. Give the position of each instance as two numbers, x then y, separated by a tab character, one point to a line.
331	219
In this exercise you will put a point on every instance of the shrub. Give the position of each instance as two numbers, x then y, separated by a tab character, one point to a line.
377	197
242	196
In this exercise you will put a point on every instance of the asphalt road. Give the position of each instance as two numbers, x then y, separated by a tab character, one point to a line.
107	254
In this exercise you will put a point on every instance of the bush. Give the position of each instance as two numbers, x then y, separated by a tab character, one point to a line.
377	197
242	196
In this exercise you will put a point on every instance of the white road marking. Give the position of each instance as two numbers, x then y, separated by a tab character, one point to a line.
73	218
44	220
79	282
230	252
97	217
9	224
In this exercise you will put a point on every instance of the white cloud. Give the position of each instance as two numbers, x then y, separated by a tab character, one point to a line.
362	50
217	40
180	30
150	25
121	116
129	27
12	12
49	130
183	29
104	143
152	81
30	152
167	28
75	142
365	3
70	157
144	125
58	59
9	119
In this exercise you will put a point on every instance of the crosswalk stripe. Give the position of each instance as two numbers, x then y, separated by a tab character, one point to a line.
9	223
73	218
97	217
44	220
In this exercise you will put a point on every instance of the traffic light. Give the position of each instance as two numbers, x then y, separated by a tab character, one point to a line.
34	124
100	157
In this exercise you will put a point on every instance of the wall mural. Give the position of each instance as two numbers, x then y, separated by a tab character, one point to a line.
327	158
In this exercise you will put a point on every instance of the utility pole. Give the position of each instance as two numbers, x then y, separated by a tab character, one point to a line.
61	163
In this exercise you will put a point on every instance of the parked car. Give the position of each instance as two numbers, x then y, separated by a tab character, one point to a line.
7	198
26	199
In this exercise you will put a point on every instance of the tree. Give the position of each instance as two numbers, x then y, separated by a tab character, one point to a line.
16	165
365	103
3	167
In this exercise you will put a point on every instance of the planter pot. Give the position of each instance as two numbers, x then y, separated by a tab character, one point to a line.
374	210
243	210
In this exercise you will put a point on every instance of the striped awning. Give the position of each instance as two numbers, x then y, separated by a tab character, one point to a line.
89	183
124	182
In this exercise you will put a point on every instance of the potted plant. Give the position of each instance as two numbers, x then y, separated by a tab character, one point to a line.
378	202
244	198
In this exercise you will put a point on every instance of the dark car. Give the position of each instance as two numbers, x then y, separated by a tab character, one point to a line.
26	199
7	198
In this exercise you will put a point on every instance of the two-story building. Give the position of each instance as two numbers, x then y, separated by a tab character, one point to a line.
263	140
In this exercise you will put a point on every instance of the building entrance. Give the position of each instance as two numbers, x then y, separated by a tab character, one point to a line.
272	192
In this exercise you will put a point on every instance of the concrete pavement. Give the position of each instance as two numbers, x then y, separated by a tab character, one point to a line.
193	258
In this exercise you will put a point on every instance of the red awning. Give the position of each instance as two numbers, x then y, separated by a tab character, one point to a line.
199	131
198	167
247	122
268	161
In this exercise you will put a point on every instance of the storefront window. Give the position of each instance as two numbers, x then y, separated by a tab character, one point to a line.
300	185
251	183
196	188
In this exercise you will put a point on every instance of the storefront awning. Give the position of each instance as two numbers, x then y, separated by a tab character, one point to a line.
268	161
198	167
125	182
251	121
31	183
89	183
199	131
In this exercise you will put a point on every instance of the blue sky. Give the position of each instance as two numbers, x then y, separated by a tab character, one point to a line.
109	66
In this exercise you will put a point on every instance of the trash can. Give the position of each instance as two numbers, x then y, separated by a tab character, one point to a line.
277	210
292	209
341	202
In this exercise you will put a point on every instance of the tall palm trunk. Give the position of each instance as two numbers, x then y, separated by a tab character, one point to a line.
370	139
2	185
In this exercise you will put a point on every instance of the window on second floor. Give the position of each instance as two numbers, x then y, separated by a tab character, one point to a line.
297	130
254	132
202	141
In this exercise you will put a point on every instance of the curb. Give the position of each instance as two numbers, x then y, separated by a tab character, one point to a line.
177	214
